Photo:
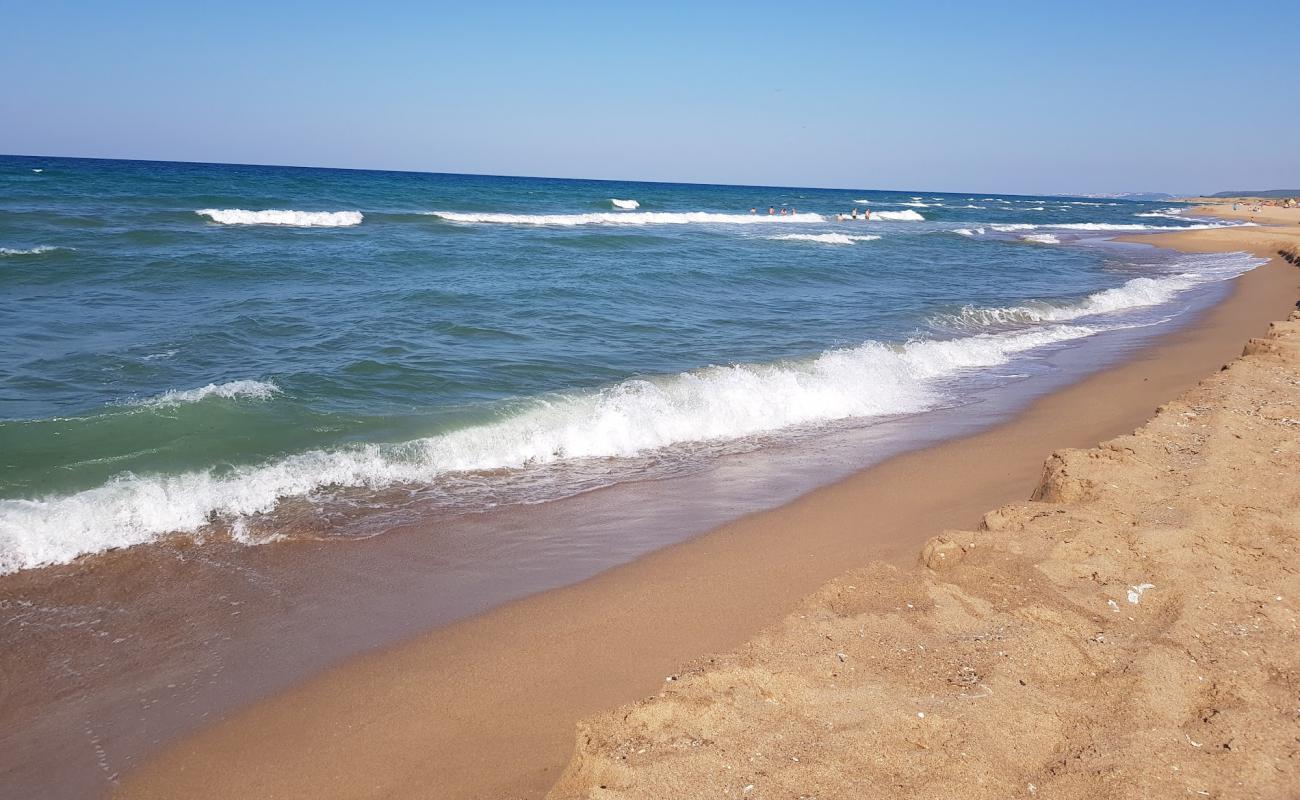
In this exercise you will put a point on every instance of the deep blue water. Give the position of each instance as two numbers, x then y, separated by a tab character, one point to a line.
479	340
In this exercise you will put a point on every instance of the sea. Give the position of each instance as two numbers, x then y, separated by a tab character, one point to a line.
259	353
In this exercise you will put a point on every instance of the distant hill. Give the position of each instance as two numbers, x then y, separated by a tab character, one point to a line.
1264	193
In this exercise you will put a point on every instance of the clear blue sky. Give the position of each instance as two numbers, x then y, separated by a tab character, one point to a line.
997	96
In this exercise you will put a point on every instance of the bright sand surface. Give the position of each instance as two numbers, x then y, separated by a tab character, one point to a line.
486	707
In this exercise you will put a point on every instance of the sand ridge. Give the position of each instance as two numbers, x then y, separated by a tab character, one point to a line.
1129	632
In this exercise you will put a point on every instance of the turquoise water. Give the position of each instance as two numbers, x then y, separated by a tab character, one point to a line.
259	350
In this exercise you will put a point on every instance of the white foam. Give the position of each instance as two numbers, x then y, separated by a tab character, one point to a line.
969	231
1013	227
31	251
897	216
626	205
626	419
824	238
1040	238
300	219
253	390
624	218
1167	213
38	170
1136	293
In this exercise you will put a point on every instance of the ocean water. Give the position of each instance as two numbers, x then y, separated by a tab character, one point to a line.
262	352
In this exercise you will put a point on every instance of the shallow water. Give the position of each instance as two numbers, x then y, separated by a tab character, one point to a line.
266	351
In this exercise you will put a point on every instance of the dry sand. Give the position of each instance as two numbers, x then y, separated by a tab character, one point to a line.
486	708
1247	211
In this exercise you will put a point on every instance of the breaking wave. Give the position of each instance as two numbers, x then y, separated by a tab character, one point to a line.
1040	238
1137	293
630	418
253	390
626	205
898	216
32	251
824	238
300	219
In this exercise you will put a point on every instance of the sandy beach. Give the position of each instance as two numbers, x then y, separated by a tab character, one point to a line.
487	707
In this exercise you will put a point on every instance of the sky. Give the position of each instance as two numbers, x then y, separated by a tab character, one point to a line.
1029	97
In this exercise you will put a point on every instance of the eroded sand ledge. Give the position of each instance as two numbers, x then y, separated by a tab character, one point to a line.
1131	632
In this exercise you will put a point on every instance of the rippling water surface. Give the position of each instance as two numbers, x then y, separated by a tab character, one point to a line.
267	350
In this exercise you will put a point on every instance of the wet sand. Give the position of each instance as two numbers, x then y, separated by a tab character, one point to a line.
486	707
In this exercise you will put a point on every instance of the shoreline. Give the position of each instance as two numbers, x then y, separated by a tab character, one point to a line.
550	659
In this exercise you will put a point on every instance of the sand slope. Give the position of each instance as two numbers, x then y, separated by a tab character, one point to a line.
1129	633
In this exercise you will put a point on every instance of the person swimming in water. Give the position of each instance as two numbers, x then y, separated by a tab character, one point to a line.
754	210
855	212
771	210
867	214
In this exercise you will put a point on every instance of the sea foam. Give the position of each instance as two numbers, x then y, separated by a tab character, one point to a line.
253	390
299	219
897	216
32	251
626	205
1143	292
823	238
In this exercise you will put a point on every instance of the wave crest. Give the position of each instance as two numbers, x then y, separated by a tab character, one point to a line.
626	205
824	238
252	390
898	216
31	251
627	419
299	219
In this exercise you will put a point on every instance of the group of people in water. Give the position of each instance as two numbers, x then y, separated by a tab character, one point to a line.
853	215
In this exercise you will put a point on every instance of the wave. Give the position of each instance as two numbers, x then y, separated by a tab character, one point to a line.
630	418
1040	238
1167	213
300	219
1136	293
897	216
254	390
969	231
32	251
625	218
824	238
626	205
1019	226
